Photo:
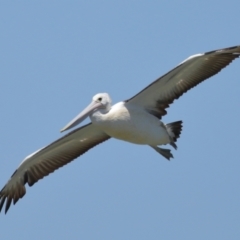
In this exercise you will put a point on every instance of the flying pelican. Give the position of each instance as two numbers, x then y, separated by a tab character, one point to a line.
136	120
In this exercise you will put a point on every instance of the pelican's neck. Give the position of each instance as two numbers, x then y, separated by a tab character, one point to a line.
99	115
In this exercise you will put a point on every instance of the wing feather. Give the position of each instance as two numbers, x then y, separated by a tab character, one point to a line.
48	159
156	97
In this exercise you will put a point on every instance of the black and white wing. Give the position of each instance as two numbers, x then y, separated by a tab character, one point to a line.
156	97
48	159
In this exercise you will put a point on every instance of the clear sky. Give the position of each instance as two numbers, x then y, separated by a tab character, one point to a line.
55	55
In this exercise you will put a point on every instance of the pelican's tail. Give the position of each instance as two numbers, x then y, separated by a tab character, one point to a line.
174	130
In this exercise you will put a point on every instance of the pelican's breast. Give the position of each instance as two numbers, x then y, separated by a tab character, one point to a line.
118	117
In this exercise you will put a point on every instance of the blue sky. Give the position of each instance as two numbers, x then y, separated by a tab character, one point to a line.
55	55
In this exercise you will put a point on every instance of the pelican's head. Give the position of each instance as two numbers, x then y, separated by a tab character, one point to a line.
104	99
100	101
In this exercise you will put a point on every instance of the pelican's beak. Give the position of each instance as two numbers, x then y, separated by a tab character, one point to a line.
84	114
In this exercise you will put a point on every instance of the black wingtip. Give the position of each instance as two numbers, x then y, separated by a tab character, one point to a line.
8	204
2	202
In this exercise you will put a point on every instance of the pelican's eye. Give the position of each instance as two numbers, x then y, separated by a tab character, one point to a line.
100	99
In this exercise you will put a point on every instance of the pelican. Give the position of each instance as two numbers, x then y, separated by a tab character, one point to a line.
136	120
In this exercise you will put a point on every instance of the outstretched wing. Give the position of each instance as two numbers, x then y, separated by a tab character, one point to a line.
48	159
156	97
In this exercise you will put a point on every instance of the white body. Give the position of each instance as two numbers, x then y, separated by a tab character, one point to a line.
132	124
